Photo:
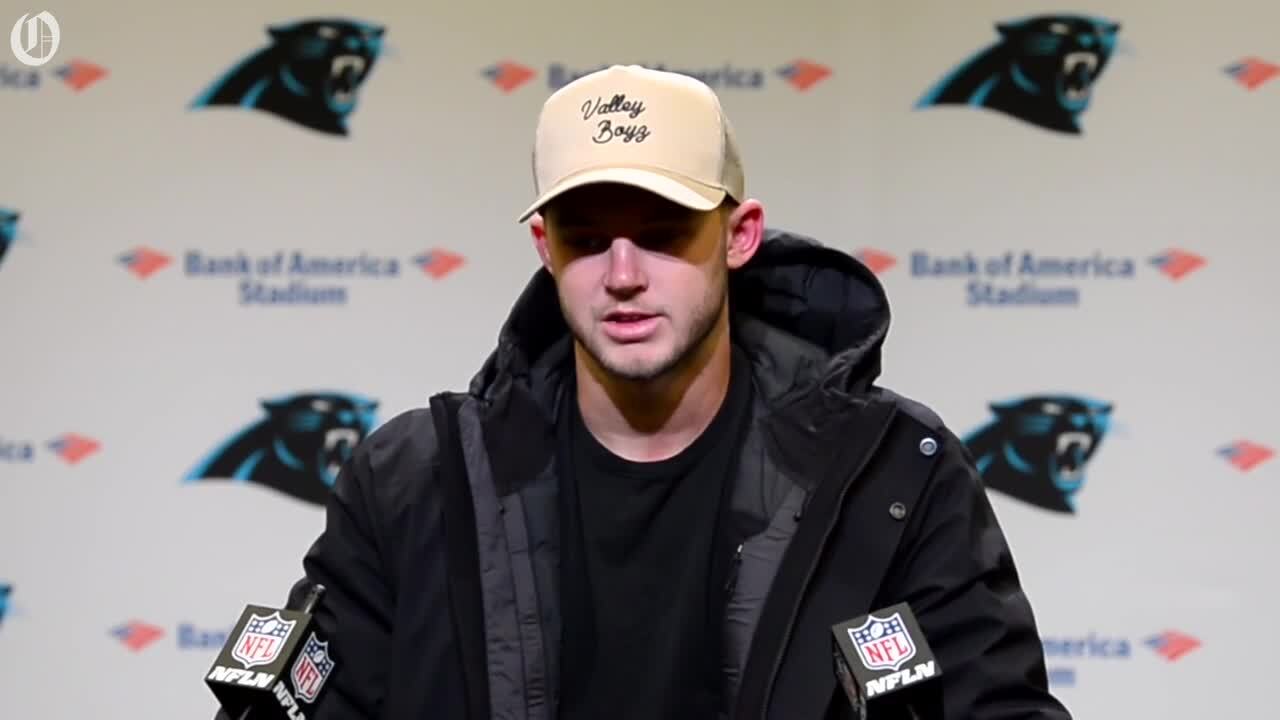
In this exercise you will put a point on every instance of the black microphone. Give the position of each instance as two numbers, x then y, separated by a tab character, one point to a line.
274	664
884	664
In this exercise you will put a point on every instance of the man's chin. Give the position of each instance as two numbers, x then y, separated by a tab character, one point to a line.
635	362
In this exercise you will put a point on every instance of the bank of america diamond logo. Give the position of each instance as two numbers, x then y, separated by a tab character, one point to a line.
1177	264
508	76
144	261
804	74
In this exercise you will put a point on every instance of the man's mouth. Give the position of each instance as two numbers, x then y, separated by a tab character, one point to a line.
630	326
627	317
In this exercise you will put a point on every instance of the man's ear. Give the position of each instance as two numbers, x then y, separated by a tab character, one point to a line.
746	231
538	228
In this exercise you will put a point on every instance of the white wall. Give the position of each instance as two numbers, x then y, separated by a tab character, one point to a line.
1167	535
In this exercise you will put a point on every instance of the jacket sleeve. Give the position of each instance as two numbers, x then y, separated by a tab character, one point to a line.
959	577
355	611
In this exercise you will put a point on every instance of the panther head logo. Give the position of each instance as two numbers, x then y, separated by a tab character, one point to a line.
8	230
1036	448
1042	71
297	448
310	74
4	600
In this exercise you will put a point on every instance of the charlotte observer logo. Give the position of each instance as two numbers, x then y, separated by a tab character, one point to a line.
35	38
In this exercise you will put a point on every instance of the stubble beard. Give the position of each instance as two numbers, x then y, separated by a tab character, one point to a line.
702	322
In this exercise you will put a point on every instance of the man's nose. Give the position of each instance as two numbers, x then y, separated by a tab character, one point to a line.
625	274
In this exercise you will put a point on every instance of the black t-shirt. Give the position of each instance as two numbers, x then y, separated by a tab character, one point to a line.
645	557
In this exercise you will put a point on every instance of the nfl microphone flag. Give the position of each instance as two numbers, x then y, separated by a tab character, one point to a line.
274	664
880	653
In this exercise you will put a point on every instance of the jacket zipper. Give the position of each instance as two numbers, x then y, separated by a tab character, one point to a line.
791	620
833	518
732	581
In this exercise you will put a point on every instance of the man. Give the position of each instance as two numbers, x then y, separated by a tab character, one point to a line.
672	476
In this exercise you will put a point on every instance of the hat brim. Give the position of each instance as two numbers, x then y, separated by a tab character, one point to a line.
679	190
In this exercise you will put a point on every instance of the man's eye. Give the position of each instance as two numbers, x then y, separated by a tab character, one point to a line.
662	239
586	243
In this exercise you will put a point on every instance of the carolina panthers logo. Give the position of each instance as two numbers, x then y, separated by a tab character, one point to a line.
8	230
297	449
1036	448
310	74
4	600
1041	71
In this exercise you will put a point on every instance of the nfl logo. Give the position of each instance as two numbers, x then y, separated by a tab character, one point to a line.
311	669
883	643
262	639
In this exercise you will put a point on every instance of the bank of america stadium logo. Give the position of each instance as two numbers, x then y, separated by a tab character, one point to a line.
262	640
312	668
1172	645
1245	455
137	635
291	277
1252	73
1029	278
800	74
883	643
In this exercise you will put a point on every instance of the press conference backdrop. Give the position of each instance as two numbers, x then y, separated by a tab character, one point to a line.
210	287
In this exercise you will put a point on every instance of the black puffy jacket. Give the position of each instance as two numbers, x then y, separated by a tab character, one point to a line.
440	548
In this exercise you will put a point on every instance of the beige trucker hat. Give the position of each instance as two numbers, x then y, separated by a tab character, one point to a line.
664	132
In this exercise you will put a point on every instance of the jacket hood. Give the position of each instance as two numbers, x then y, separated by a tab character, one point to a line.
806	313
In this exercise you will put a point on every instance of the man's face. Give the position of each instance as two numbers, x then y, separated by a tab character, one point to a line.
641	281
